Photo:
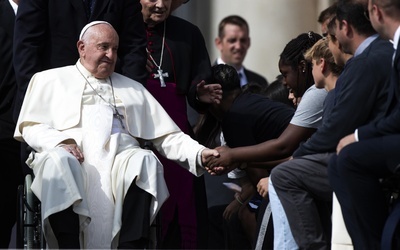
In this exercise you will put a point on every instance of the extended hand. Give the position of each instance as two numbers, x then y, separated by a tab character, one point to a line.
208	154
210	93
225	158
344	142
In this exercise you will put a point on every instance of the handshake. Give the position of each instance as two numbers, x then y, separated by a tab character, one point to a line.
219	160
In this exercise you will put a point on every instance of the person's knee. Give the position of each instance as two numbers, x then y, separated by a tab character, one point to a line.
148	158
280	175
343	162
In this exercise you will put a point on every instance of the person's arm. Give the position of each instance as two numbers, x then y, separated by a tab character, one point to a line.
355	105
387	126
266	164
240	198
199	94
188	153
42	137
382	127
270	150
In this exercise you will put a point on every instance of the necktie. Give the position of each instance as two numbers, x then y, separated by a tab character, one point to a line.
241	79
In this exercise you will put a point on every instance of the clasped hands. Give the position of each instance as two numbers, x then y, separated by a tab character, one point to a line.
221	162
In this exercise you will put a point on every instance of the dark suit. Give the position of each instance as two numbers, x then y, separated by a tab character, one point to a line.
361	96
9	148
355	173
302	184
254	77
46	33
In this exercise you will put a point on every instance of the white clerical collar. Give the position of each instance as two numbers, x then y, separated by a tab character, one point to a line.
85	73
83	70
14	6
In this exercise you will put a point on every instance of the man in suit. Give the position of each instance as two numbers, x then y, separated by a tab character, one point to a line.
372	151
9	148
302	185
233	41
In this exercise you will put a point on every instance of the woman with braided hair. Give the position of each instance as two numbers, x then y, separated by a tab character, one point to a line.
295	67
297	77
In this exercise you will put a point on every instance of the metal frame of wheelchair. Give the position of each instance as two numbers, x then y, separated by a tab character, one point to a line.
29	220
29	223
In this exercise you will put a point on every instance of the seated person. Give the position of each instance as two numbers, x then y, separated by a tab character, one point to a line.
297	76
97	186
308	99
303	191
252	116
325	73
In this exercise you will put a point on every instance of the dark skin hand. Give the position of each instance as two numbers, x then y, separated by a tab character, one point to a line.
271	150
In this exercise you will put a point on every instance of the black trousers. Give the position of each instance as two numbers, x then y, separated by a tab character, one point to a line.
226	234
11	177
354	176
135	229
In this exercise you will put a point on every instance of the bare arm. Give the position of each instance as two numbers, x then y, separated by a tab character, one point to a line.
271	150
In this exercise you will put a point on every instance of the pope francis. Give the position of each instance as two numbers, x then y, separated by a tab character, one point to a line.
97	186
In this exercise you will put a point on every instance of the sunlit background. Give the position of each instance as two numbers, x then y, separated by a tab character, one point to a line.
273	23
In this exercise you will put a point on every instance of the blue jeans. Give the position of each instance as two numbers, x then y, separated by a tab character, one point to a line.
283	238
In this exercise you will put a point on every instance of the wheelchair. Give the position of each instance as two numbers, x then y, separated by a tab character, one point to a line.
29	221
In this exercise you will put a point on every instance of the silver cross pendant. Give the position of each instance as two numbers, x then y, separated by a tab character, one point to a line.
161	76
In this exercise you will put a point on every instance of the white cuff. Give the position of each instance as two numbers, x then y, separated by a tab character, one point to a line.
356	135
199	162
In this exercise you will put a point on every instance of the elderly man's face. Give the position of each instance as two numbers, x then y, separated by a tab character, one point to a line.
98	50
155	11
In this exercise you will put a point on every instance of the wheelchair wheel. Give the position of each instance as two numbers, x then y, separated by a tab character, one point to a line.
20	218
29	224
30	213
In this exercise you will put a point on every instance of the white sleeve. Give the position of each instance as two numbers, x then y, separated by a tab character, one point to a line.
182	149
42	137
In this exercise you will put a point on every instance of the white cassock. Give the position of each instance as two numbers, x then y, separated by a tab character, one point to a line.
60	105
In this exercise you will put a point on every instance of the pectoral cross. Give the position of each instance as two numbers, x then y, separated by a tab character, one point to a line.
161	76
119	117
